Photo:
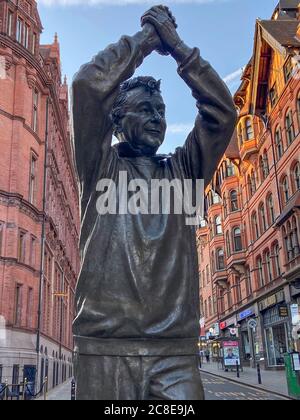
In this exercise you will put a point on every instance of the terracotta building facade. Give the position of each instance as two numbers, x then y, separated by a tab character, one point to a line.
249	248
39	213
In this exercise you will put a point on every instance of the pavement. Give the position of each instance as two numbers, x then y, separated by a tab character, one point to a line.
221	389
219	385
272	381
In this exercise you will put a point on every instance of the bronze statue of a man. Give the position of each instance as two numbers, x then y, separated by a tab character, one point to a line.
137	324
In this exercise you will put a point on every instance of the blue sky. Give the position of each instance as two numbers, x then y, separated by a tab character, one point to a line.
222	29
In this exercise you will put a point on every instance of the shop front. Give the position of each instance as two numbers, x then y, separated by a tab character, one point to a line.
275	320
247	333
295	314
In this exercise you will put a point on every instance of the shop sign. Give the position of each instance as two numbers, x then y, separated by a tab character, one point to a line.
217	330
271	301
246	314
202	322
223	325
283	311
295	312
231	353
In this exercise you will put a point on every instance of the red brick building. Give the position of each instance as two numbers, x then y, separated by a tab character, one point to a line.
39	216
249	250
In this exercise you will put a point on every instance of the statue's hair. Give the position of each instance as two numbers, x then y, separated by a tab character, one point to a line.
147	82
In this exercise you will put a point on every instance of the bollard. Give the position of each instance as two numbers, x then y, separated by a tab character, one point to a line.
6	390
259	374
237	369
73	390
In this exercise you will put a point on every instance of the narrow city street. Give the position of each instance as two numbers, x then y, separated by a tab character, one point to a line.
222	389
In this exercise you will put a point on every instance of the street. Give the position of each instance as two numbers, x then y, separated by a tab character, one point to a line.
220	389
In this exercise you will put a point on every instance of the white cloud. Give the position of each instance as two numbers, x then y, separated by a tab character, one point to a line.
180	128
117	2
234	77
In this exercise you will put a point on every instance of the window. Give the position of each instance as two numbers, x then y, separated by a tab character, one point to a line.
210	306
228	245
34	41
279	143
269	266
249	129
276	255
26	36
296	177
32	259
252	185
32	179
218	225
262	217
271	210
273	95
1	236
29	308
10	23
248	282
220	259
298	109
261	277
240	135
288	70
289	126
35	110
225	205
266	169
285	189
237	239
255	227
295	237
15	378
230	169
18	305
20	28
234	203
21	247
207	275
238	291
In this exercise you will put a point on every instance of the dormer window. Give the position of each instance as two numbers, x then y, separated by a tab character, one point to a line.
288	70
273	95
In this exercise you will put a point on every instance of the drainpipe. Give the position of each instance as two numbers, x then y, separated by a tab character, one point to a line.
43	240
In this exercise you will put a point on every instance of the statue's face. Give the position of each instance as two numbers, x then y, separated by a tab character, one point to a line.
144	124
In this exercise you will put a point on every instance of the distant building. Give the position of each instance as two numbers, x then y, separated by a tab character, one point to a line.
249	250
38	199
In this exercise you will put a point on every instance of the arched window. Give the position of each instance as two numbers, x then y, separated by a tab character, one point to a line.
298	108
213	262
230	169
253	183
248	282
220	259
260	271
225	205
215	198
270	210
237	239
249	129
262	218
290	242
276	256
264	166
218	225
268	262
285	189
279	143
255	227
296	177
234	203
289	126
228	245
295	237
240	135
